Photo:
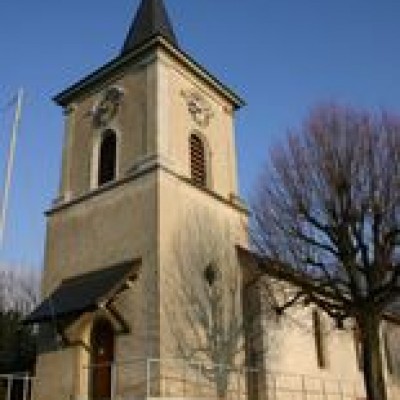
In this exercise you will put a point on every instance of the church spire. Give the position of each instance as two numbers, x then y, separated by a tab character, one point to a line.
151	20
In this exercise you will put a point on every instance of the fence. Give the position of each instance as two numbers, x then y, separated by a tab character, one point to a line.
155	378
302	387
177	379
15	387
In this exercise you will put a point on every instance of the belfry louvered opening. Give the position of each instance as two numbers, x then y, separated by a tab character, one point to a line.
198	161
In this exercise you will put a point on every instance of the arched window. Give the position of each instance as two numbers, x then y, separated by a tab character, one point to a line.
107	157
198	166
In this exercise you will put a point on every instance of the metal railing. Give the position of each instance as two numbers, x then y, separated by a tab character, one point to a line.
179	379
284	386
16	387
127	378
172	378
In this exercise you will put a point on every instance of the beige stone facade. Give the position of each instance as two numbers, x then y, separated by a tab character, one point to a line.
165	97
137	215
290	349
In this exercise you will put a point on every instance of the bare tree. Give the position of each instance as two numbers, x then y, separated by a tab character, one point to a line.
19	293
19	288
327	219
207	311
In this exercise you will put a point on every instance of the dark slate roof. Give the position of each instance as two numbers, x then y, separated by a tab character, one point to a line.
151	20
151	28
84	292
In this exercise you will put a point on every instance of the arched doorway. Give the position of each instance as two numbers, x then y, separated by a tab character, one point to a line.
102	345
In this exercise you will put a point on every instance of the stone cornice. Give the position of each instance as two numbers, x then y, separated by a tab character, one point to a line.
146	166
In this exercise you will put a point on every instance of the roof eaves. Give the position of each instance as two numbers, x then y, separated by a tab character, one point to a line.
196	67
51	307
133	272
66	96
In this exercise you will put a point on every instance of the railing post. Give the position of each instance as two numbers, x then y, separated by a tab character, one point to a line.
31	388
184	377
163	379
113	380
274	385
25	387
148	377
303	387
238	386
198	378
9	386
324	395
340	391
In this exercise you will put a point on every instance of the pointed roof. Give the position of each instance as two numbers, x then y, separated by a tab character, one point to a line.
151	20
151	28
86	292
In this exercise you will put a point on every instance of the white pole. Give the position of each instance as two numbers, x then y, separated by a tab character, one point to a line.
10	164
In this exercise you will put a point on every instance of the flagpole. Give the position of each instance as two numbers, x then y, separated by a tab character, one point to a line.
10	164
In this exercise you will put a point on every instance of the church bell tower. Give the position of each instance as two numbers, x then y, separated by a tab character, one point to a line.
149	137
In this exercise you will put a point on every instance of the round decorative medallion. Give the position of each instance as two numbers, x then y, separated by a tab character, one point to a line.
108	106
198	107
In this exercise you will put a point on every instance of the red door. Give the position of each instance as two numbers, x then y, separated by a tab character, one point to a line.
102	344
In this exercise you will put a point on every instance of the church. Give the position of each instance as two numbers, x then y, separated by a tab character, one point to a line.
148	204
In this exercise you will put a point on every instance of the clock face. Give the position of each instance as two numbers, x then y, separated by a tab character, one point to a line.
107	107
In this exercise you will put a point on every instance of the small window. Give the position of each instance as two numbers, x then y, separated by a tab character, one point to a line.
319	339
198	161
210	274
107	158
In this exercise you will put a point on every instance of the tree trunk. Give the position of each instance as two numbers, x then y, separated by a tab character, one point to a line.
222	379
221	392
372	357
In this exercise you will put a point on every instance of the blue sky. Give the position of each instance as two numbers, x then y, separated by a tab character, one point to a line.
281	56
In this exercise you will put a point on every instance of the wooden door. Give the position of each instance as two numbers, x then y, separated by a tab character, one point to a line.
102	344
